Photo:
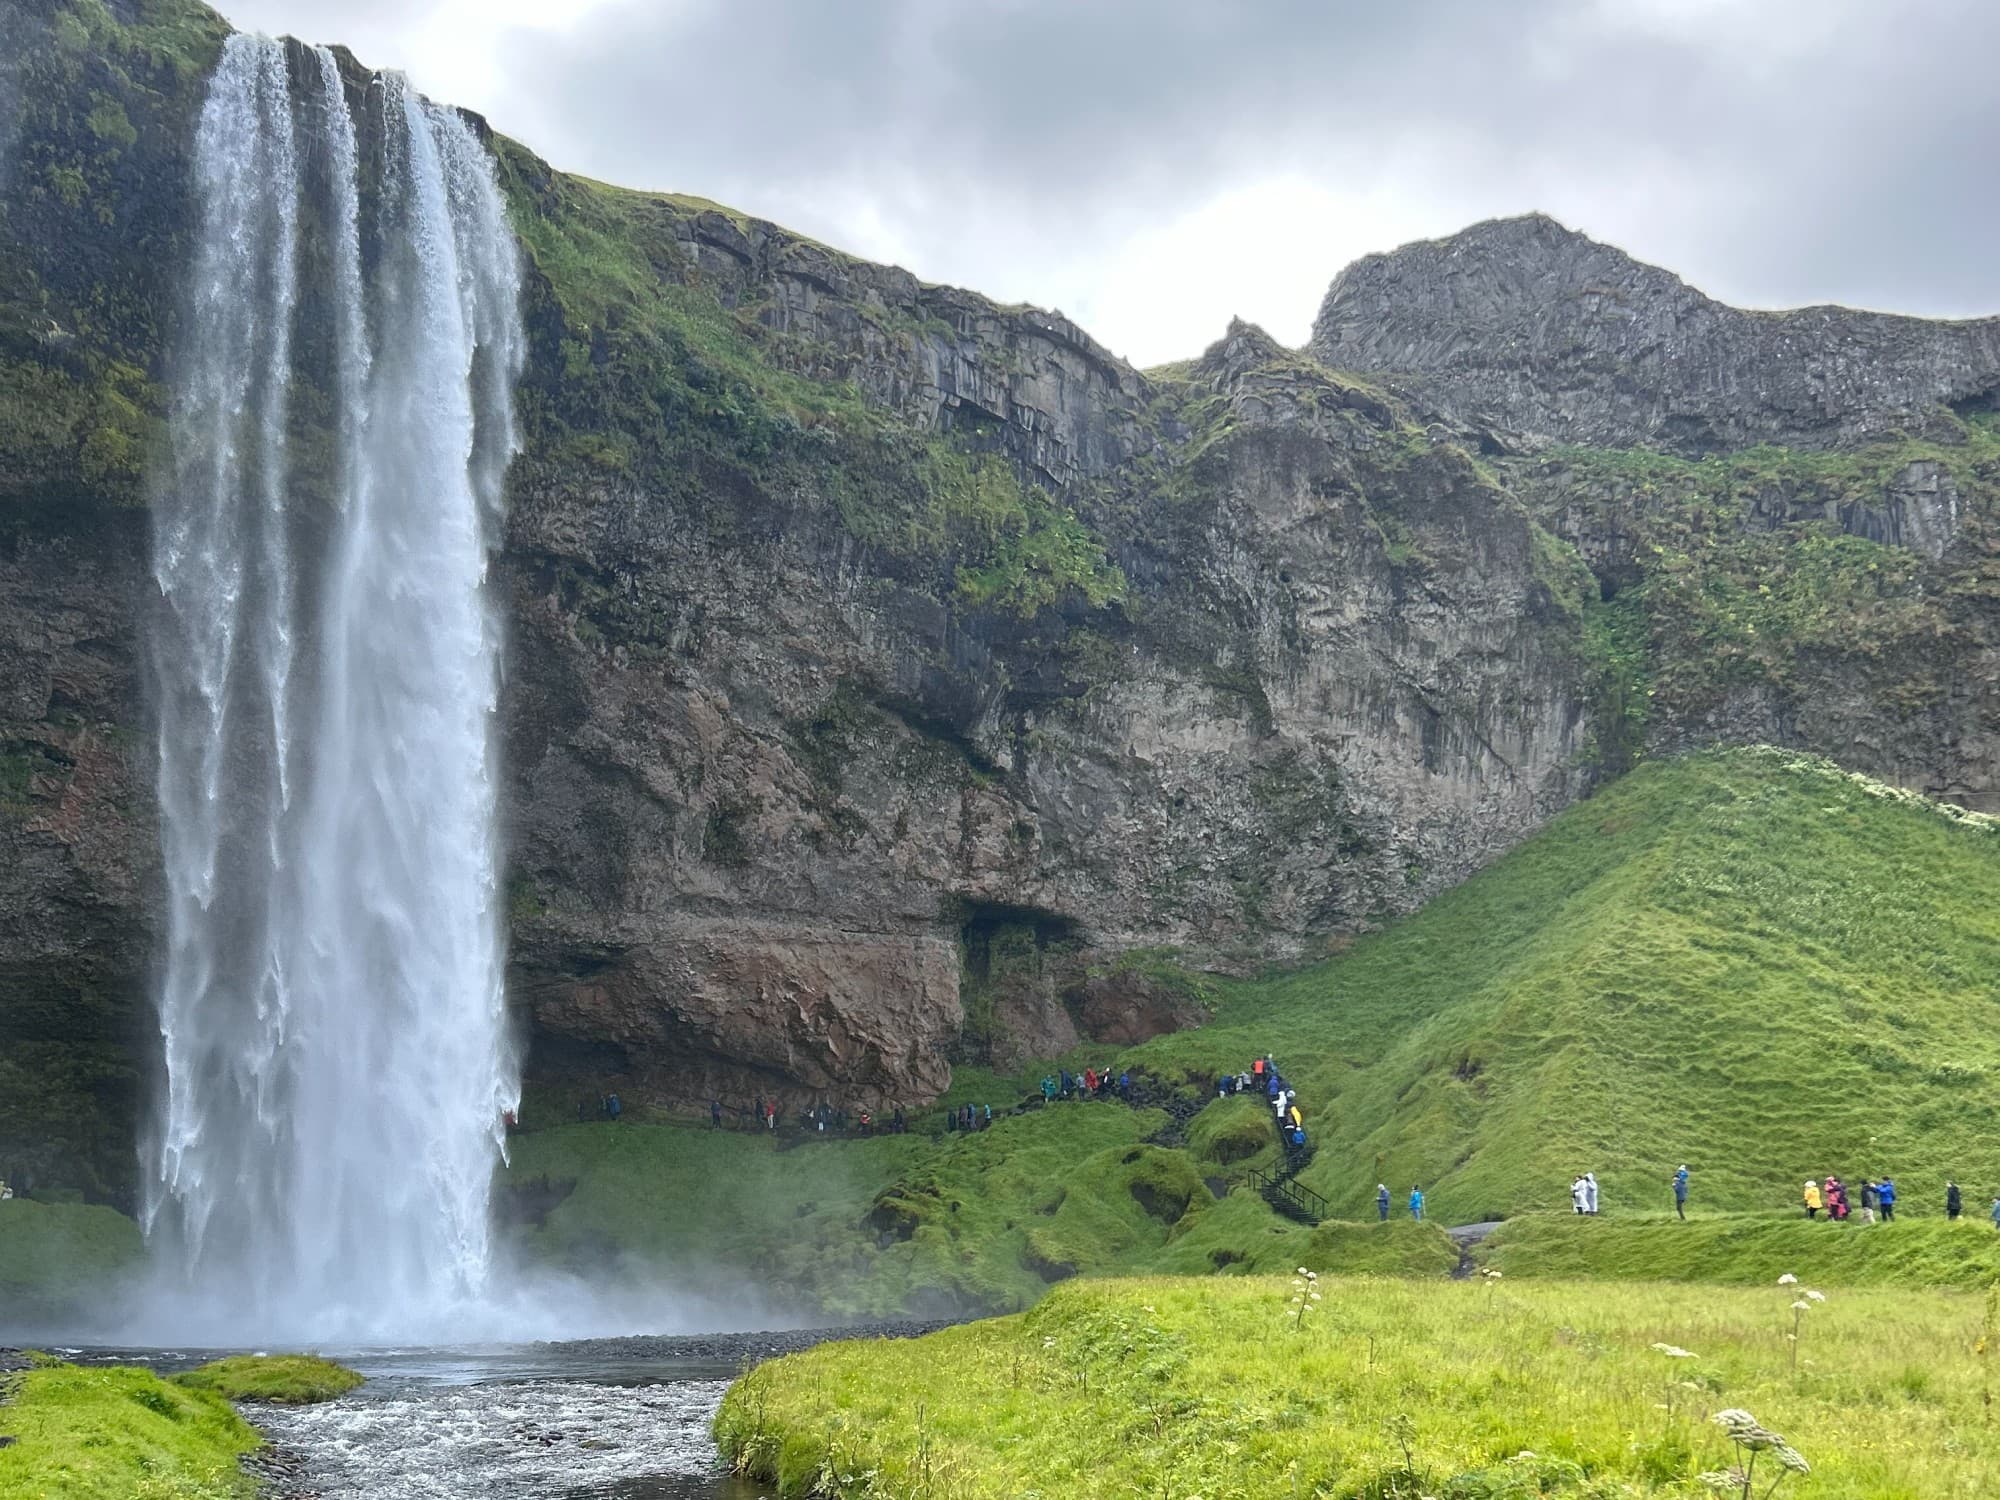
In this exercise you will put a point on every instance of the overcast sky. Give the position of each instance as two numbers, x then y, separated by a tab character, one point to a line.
1152	167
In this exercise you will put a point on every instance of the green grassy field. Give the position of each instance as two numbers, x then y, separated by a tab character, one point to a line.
1470	1390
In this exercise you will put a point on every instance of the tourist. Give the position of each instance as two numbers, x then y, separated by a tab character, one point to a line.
612	1106
989	1117
1125	1084
1382	1201
1836	1200
1257	1071
1417	1204
1222	1087
1867	1201
757	1113
1885	1195
771	1116
1954	1205
899	1125
1576	1194
1812	1199
1065	1083
1590	1193
715	1114
1681	1191
1996	1213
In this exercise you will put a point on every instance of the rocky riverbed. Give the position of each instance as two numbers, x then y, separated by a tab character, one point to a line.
598	1418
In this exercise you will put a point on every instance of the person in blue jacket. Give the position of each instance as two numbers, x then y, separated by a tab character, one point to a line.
1681	1191
1417	1204
1885	1195
1382	1201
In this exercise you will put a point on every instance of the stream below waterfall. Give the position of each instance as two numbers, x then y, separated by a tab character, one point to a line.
597	1419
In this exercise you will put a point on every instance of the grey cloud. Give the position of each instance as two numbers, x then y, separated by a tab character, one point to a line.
1774	151
1844	165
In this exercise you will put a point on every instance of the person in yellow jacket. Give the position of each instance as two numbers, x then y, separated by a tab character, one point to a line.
1812	1199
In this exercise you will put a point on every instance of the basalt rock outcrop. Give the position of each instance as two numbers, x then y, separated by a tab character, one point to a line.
1532	331
895	677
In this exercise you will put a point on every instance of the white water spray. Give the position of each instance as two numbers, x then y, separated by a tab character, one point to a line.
336	1053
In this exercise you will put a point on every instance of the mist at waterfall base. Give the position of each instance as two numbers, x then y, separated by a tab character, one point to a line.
337	1059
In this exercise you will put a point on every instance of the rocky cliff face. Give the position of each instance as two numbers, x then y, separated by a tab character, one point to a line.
896	677
1545	336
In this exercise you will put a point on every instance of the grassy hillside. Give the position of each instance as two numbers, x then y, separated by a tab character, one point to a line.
911	1224
1471	1391
1748	961
55	1257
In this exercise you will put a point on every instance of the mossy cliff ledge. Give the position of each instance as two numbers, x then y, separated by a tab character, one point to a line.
896	676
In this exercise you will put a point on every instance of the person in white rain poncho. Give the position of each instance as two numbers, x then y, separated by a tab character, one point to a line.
1576	1198
1590	1192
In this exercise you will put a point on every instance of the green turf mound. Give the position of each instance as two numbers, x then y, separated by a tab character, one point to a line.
94	1433
282	1379
1749	1251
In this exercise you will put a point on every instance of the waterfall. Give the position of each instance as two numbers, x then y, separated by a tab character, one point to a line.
327	661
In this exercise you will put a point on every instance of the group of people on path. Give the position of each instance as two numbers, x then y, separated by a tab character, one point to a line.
1263	1080
1416	1202
1831	1197
1089	1084
820	1119
1876	1196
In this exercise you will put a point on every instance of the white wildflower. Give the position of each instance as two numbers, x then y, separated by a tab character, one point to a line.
1816	1296
1788	1279
1674	1351
1801	1307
